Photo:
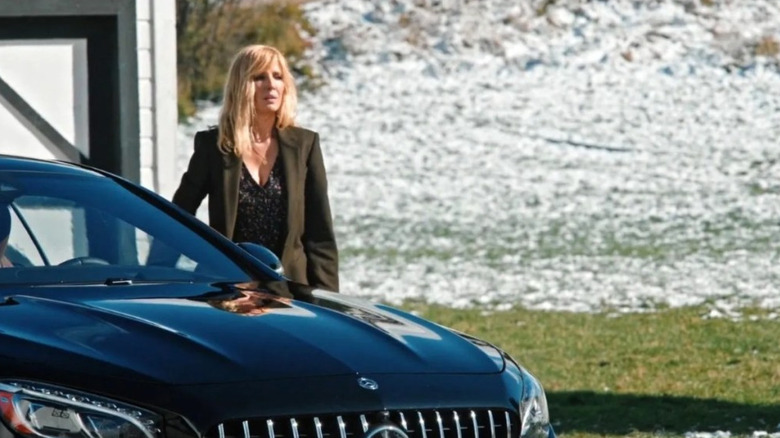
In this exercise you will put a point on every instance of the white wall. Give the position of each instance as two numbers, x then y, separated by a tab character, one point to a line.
156	28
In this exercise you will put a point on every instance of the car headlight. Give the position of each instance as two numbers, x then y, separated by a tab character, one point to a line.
534	416
34	409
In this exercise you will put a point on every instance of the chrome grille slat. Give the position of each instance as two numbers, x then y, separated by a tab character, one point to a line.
422	424
342	427
294	427
429	423
270	425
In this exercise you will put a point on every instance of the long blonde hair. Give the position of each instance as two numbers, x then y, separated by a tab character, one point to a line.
238	107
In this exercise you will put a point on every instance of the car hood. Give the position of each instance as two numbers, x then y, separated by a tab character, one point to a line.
205	335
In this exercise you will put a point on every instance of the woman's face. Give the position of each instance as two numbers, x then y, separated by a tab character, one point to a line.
269	89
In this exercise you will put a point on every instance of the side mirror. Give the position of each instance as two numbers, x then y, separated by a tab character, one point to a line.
265	255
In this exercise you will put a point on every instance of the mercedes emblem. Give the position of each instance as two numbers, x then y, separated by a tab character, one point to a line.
386	431
369	384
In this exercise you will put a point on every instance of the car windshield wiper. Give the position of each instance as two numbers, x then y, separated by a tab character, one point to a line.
124	281
111	281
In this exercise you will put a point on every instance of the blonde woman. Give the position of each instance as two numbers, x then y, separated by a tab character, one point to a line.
265	177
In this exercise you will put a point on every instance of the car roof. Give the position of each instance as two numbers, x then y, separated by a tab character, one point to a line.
16	163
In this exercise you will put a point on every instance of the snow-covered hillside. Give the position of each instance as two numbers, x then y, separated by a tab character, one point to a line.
592	155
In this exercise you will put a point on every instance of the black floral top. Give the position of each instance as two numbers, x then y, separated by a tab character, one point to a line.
262	210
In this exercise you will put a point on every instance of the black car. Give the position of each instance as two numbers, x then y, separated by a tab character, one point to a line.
122	316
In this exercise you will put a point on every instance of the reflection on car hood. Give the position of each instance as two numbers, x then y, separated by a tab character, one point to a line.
246	335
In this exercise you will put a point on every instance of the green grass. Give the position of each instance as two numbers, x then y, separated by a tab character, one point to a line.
662	373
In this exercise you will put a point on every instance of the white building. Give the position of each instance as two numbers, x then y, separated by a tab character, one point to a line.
91	81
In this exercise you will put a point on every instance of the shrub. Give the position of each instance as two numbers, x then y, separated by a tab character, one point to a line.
210	32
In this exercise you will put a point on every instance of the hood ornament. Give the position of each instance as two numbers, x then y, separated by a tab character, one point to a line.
367	383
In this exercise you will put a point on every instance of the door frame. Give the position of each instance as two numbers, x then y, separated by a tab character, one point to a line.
109	27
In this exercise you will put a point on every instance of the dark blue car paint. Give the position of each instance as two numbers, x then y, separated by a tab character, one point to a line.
172	349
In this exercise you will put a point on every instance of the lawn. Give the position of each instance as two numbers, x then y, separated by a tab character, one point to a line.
666	373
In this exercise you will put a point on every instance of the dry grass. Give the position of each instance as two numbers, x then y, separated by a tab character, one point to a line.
767	46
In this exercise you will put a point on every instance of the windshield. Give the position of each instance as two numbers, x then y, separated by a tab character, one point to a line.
65	229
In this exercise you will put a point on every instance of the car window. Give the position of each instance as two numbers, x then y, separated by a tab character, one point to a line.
39	213
72	229
21	248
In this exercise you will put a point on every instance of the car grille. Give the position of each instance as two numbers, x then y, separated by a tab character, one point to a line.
458	423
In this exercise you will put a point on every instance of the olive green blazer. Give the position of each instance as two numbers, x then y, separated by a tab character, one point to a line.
310	255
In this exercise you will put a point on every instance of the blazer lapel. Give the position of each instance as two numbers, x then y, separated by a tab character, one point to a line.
231	175
290	154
